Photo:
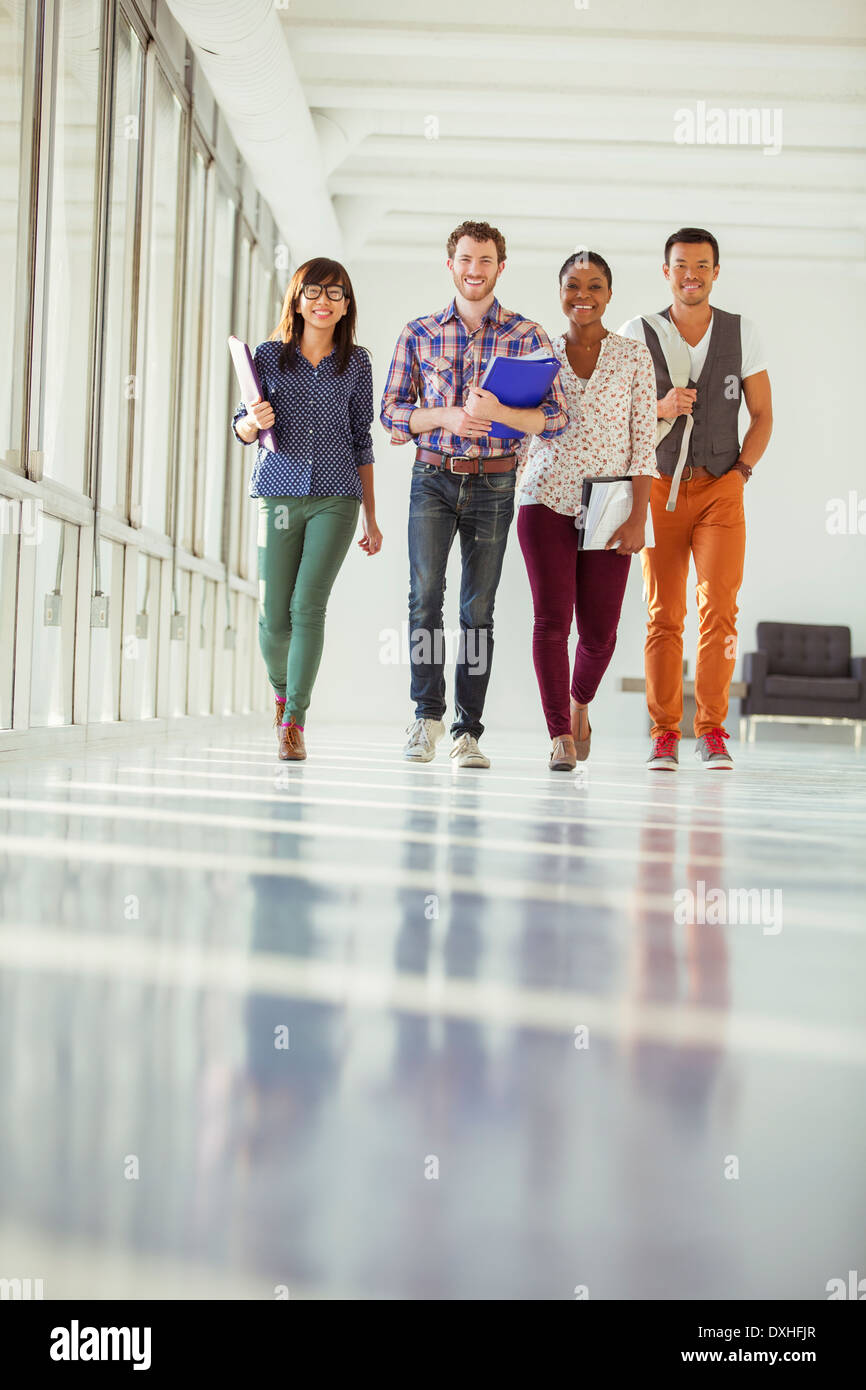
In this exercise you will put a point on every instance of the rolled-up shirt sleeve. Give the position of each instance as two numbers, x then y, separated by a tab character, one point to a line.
239	415
361	412
554	404
643	414
401	393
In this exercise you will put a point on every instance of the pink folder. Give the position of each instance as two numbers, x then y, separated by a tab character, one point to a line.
250	382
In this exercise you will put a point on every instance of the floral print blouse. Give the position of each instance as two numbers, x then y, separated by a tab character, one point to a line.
611	427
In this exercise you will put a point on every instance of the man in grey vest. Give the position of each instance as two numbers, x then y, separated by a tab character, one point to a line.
705	361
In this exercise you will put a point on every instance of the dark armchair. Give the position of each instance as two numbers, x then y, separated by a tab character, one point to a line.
804	673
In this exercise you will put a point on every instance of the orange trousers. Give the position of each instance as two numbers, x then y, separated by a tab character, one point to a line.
708	524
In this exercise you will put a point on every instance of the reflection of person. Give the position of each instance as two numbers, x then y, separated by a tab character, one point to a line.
608	384
318	397
706	518
462	479
678	983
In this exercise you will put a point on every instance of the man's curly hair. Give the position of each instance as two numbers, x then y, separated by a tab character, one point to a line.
478	231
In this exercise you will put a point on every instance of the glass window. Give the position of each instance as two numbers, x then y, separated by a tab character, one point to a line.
178	648
12	209
262	326
240	461
201	655
242	306
225	655
118	385
67	225
103	694
12	525
156	369
54	623
246	664
191	365
262	321
222	395
140	645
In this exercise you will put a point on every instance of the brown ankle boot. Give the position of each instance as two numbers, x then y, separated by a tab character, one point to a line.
279	711
579	721
292	747
562	755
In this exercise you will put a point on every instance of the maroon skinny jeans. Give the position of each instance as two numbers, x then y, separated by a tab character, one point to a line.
566	582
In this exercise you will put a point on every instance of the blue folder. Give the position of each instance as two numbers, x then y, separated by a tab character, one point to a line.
519	382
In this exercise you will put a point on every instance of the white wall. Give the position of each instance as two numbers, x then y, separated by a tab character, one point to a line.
809	315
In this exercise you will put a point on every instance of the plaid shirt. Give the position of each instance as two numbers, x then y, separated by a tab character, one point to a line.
435	363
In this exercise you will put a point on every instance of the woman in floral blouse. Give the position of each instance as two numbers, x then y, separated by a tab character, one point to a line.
610	389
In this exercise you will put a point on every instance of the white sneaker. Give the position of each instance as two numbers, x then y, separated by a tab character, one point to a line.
424	734
465	749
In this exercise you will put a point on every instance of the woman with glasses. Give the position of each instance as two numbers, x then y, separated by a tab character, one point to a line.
317	397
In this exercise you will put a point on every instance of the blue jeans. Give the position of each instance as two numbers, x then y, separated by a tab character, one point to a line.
479	509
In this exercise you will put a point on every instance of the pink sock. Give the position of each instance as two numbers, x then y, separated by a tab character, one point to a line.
287	722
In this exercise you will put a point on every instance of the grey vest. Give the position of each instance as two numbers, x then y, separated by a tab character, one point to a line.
715	441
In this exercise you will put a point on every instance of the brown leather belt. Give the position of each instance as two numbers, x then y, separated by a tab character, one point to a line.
462	463
691	470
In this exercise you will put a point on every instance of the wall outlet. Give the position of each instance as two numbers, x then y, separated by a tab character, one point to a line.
53	611
178	627
141	625
99	610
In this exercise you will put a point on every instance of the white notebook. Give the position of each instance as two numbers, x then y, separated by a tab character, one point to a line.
609	506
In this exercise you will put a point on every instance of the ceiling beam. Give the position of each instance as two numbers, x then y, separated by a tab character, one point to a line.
594	117
506	197
570	160
777	53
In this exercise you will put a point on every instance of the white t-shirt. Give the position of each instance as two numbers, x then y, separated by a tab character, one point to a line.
753	352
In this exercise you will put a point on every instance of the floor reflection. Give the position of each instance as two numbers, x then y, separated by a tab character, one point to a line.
372	1088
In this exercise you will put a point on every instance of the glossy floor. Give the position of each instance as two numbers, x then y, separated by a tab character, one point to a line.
355	1028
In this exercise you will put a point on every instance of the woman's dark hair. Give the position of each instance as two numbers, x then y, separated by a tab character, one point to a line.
581	258
318	271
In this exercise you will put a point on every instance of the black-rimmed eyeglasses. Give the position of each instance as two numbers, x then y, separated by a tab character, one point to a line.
334	292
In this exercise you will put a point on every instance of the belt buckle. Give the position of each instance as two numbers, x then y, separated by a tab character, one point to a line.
459	458
687	476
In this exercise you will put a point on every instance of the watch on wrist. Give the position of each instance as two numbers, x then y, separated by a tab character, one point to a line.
744	469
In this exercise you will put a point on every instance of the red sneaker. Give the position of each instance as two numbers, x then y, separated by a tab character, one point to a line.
710	749
664	756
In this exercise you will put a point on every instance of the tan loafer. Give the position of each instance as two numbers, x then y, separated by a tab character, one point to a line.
578	721
562	755
292	748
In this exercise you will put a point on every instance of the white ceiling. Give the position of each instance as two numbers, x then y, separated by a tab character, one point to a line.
562	130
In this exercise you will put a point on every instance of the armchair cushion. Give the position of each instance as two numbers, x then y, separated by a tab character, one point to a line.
805	649
816	688
755	668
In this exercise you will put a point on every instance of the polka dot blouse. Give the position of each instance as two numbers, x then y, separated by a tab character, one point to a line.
321	422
